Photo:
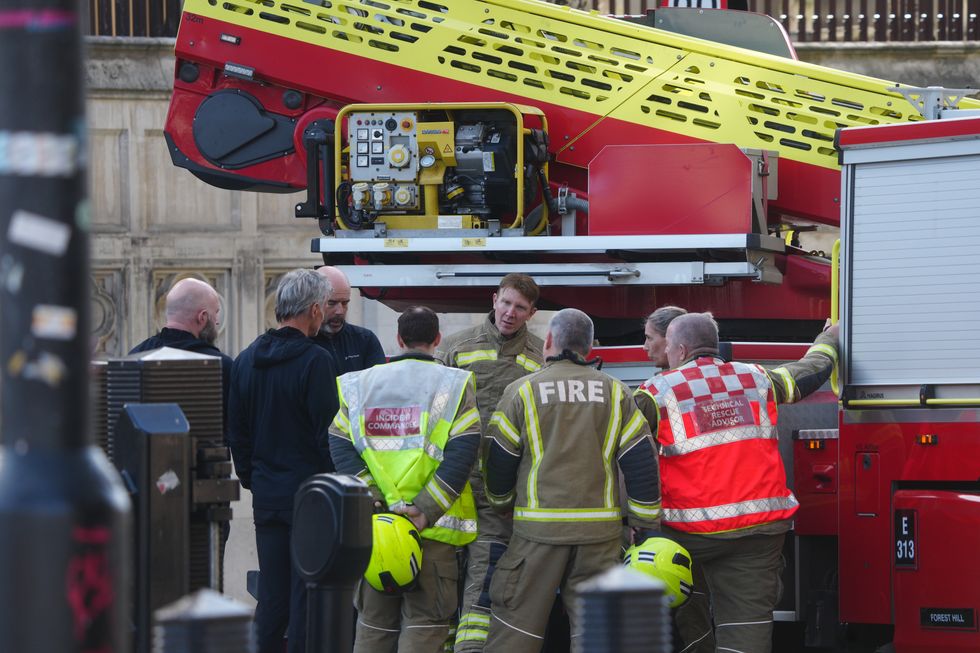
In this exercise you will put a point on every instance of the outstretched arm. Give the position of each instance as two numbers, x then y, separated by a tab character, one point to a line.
794	381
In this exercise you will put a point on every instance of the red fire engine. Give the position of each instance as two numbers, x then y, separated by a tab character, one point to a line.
629	163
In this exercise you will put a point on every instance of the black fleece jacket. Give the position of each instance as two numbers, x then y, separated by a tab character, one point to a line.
353	348
283	398
186	341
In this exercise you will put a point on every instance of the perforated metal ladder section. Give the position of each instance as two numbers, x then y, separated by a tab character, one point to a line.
595	64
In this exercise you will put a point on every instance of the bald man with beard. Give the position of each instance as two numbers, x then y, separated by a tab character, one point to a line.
354	348
193	311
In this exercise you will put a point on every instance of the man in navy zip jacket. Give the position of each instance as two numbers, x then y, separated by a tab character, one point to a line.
354	348
283	399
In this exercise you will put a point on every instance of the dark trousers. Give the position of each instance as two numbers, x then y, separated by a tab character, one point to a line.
741	579
282	595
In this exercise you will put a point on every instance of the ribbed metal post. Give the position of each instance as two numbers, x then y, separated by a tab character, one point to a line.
622	610
64	552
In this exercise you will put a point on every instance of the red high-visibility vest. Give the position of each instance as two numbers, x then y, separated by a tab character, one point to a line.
720	467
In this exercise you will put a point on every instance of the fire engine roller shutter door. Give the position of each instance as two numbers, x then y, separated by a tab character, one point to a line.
914	285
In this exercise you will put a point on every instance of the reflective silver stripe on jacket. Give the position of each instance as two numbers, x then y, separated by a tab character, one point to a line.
402	444
395	385
393	443
456	524
727	511
715	438
684	444
450	390
568	514
351	391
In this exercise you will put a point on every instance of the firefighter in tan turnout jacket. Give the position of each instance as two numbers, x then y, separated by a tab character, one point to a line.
498	351
558	440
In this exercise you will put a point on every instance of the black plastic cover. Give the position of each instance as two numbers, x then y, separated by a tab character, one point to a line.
331	538
233	130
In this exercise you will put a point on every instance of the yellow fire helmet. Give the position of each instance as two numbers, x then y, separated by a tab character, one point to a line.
396	554
668	562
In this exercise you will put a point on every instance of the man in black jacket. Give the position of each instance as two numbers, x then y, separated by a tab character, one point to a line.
354	348
193	311
283	399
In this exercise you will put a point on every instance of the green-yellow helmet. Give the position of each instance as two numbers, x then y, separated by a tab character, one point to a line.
396	554
667	561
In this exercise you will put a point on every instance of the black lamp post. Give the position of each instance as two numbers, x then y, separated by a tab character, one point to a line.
64	554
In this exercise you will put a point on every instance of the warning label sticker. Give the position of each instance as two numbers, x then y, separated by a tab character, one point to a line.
715	415
395	422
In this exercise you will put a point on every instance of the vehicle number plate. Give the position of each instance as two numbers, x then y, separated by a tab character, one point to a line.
906	551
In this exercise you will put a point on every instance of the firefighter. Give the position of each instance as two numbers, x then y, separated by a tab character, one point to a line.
725	497
411	430
555	441
498	351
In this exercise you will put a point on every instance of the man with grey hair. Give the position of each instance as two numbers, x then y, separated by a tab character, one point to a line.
655	332
283	399
555	441
709	414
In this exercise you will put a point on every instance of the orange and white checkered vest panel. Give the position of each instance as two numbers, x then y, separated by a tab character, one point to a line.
720	465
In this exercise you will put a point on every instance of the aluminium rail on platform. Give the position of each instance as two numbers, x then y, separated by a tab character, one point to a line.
471	258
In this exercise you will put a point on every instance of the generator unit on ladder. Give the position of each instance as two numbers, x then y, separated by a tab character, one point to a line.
442	166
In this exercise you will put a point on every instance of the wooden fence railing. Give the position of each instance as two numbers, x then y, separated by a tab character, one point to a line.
804	20
875	20
133	17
